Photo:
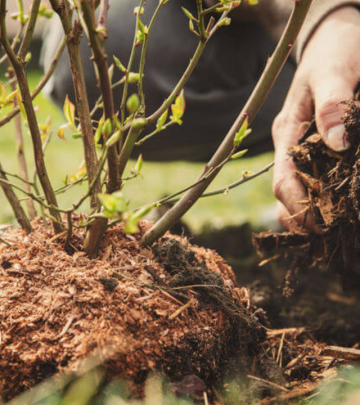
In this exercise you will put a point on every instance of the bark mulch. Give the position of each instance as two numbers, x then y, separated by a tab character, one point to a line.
174	308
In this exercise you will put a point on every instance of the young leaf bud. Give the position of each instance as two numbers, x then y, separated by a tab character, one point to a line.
133	103
189	15
119	65
161	121
107	128
239	154
139	164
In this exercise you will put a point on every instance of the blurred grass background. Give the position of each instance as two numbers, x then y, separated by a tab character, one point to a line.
249	202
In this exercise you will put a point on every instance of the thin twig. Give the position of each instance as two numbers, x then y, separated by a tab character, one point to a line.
69	230
268	383
174	197
128	70
7	118
20	153
97	42
14	202
31	116
147	137
143	55
26	41
6	242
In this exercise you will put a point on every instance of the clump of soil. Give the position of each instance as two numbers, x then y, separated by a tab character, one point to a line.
174	308
332	183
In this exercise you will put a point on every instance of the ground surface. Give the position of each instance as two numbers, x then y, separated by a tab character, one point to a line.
295	357
173	309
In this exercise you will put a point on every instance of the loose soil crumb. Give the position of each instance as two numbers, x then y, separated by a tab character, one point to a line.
57	309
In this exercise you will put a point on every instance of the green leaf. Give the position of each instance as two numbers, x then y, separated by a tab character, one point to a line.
77	135
133	77
133	103
111	72
138	123
178	108
189	15
45	12
11	96
121	204
239	154
180	100
61	131
242	133
131	220
140	37
98	132
113	139
143	211
224	22
27	57
107	128
141	27
2	91
161	121
69	112
131	224
191	26
119	65
20	104
139	164
116	122
113	203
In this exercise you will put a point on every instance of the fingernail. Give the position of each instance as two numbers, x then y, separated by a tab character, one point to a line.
337	139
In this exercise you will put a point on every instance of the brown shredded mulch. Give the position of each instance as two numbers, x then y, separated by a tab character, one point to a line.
58	308
332	184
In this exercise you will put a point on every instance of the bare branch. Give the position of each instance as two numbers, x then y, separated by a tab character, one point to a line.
250	110
15	204
31	116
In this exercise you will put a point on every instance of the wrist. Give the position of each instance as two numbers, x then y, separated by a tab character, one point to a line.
335	31
322	15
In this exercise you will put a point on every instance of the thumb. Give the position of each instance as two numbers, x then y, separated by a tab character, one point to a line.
329	110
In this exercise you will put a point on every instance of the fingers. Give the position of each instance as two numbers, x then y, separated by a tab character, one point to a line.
284	217
328	94
293	211
287	187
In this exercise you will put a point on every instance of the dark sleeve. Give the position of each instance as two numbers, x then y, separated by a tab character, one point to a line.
273	16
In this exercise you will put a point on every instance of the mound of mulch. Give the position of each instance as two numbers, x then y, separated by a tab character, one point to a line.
173	308
332	183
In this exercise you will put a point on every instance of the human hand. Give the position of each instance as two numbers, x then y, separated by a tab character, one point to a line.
327	74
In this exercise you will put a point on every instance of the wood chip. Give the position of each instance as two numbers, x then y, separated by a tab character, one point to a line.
343	353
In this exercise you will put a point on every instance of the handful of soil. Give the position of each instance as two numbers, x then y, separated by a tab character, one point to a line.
332	183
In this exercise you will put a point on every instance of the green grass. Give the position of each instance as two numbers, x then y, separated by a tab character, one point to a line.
64	157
